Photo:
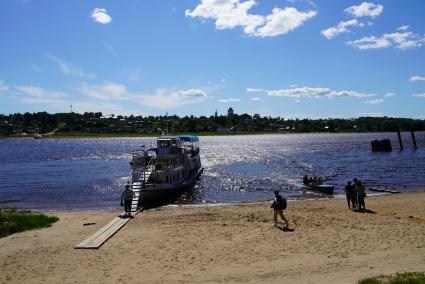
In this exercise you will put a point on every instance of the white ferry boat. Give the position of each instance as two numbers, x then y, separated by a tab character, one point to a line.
173	165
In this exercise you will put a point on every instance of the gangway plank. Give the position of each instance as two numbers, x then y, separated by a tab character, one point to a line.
96	240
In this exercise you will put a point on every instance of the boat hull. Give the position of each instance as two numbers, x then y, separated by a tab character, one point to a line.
157	192
323	188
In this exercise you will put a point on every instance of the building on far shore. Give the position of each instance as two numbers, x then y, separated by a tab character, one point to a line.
230	112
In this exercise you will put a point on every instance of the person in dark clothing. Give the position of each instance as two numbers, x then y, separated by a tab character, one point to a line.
127	196
361	194
349	190
278	205
354	196
305	179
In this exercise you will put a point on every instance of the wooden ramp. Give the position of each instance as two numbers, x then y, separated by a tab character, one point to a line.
101	236
96	240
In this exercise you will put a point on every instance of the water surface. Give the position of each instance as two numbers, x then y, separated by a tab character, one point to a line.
91	173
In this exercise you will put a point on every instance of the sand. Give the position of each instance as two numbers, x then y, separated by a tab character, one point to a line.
328	244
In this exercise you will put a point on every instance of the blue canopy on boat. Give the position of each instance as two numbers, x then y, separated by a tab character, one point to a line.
188	138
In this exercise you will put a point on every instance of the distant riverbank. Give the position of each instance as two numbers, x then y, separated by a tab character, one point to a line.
129	135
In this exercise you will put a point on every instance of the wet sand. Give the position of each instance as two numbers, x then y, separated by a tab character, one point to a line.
327	243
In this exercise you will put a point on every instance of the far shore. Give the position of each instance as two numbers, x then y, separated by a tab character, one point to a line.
326	243
129	135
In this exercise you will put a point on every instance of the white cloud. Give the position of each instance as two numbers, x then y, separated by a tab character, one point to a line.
3	87
309	92
100	15
195	93
374	102
342	27
416	78
282	21
161	99
107	91
229	100
366	9
255	99
37	92
69	69
253	90
167	99
403	28
401	40
420	95
390	95
234	13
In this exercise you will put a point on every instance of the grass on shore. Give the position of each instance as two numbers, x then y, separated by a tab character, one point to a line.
399	278
13	221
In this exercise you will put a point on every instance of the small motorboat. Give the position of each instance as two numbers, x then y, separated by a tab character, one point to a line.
322	188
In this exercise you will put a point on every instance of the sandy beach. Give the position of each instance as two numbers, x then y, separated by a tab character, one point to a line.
327	243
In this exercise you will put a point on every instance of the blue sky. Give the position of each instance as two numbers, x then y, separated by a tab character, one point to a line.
298	58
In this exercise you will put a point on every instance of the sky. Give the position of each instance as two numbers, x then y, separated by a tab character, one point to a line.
287	58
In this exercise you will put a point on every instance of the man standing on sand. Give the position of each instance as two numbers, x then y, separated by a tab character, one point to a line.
349	190
278	205
127	195
361	194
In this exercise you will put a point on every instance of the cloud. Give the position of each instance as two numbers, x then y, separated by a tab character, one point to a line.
161	99
101	16
3	87
390	95
374	102
234	13
195	93
403	28
69	69
255	99
167	99
282	21
400	40
308	92
342	27
420	95
366	9
37	92
106	91
253	90
229	100
416	78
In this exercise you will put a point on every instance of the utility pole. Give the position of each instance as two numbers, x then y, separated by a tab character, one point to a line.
70	107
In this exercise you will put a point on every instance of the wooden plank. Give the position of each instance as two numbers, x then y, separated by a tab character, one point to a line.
101	236
99	232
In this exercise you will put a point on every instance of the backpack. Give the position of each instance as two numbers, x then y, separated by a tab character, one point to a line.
281	204
284	203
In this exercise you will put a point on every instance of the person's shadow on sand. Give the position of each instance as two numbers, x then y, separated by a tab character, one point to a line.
285	229
365	211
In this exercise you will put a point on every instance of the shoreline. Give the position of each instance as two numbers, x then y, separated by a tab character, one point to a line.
149	135
215	204
328	243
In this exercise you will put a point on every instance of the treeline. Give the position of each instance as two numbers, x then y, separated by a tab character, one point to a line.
95	122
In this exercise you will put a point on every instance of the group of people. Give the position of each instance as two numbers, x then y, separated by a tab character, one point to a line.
355	192
312	180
